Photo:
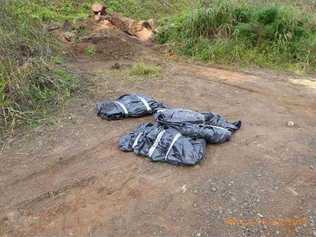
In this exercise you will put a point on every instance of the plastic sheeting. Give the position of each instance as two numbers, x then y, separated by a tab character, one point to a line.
164	144
129	105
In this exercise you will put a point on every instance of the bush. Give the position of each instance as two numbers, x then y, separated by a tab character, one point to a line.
231	32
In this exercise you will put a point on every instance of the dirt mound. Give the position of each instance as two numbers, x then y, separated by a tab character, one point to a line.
107	36
107	44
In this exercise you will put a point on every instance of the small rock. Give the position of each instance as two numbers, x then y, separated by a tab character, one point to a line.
260	215
67	26
69	36
53	27
314	233
194	205
184	188
290	124
214	189
98	8
198	235
277	232
98	17
116	66
311	167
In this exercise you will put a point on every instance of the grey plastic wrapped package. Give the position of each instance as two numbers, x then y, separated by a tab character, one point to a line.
212	134
164	144
209	126
182	116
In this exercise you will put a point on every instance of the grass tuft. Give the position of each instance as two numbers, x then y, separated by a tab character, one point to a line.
142	69
90	51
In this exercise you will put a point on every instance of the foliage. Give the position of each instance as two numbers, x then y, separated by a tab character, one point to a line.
29	81
232	32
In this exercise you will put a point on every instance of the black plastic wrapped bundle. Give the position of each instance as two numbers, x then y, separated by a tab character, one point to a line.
209	126
178	116
130	105
164	144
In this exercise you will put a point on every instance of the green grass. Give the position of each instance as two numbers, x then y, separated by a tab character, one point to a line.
232	32
53	10
147	9
142	69
90	51
31	82
73	10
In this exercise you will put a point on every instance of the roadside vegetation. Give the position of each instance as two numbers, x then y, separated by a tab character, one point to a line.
31	84
233	32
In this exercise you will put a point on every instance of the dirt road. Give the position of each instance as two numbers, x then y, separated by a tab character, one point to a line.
70	178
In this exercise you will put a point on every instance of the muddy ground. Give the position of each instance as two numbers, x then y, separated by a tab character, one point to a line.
70	178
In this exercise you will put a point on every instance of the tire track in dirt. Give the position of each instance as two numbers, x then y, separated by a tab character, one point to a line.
83	165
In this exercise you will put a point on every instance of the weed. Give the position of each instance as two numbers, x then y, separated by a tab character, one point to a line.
90	51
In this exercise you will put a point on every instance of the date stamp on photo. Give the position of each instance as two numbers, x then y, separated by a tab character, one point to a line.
289	222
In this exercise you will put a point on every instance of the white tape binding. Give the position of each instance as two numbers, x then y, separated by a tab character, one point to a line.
160	110
218	127
122	106
136	140
176	137
154	146
145	103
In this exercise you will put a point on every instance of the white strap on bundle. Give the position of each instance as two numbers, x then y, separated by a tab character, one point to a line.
176	137
136	140
145	103
122	106
218	127
154	146
160	110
